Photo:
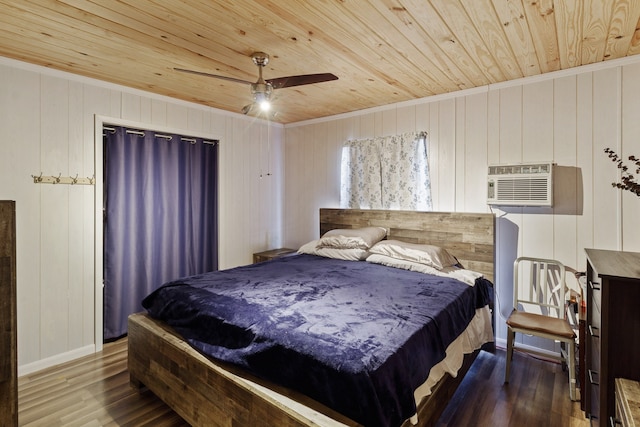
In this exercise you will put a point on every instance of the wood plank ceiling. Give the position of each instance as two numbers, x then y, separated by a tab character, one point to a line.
383	51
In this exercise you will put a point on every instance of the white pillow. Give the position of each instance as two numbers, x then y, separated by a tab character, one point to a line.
433	256
467	276
352	238
353	254
401	263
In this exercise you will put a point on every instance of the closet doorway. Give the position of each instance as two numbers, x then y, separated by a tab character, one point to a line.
159	215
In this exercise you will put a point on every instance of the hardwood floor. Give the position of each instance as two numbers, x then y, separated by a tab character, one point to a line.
92	391
537	395
95	391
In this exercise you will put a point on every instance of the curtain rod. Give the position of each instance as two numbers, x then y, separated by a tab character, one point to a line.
160	135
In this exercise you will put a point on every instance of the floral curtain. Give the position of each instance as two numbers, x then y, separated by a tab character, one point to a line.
389	172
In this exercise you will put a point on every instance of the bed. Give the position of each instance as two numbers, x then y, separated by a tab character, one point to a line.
206	391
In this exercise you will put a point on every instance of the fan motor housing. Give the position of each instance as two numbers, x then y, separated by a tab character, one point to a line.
260	58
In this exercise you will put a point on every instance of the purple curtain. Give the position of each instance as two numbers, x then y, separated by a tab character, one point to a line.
160	219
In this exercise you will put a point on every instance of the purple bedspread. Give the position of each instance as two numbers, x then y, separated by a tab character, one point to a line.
355	336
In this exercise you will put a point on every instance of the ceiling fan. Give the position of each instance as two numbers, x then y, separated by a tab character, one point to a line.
262	89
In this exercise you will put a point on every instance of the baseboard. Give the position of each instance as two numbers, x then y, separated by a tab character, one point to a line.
502	343
58	359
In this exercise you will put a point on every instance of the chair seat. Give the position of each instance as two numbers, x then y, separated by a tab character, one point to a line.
541	323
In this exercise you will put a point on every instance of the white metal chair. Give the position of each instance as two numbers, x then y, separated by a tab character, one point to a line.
539	310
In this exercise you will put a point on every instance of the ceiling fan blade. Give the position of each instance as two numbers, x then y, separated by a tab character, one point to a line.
200	73
306	79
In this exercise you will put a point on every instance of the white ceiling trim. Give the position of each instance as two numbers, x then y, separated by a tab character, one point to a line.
14	63
589	68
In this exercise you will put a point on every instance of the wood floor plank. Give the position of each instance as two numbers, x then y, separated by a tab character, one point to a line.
537	395
95	391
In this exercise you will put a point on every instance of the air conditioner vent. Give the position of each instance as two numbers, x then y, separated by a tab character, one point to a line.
520	185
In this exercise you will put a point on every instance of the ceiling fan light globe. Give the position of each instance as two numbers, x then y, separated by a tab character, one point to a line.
265	105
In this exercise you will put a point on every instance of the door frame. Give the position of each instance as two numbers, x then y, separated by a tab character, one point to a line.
99	122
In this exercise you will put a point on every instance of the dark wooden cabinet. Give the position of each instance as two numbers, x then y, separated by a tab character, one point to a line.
612	329
8	341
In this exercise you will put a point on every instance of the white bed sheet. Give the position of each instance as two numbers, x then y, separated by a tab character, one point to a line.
477	333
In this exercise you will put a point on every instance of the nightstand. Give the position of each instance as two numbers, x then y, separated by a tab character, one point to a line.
272	254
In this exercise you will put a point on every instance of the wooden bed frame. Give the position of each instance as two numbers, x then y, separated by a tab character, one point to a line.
211	393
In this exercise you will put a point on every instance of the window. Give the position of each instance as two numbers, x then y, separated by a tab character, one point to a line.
386	173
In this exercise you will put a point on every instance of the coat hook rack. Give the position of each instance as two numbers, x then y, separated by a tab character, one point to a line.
70	180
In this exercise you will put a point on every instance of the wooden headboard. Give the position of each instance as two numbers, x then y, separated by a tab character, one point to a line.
470	237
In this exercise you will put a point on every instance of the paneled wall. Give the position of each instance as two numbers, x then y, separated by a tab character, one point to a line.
567	117
270	191
47	126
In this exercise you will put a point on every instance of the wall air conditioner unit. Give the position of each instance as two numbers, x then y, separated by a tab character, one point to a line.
529	184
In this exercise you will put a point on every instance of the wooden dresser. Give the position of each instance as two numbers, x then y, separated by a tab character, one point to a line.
8	342
612	329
